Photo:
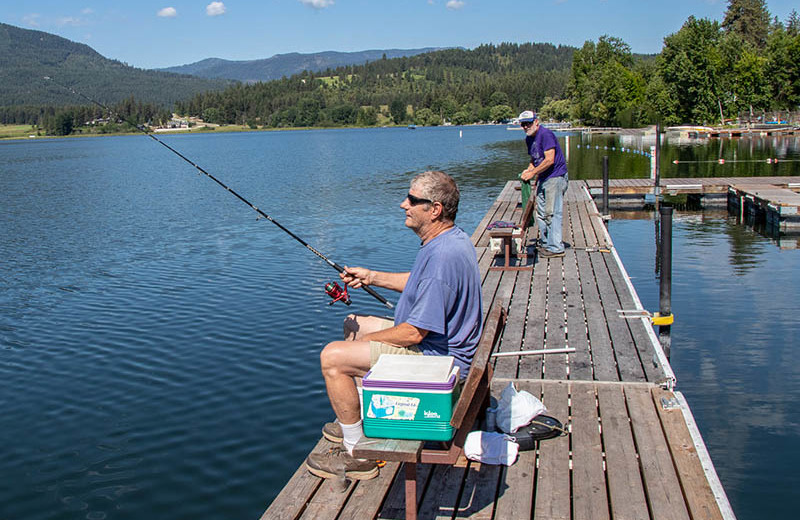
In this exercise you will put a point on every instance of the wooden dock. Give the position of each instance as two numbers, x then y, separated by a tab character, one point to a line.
778	206
633	450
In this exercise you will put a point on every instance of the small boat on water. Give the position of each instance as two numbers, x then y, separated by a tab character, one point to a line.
412	127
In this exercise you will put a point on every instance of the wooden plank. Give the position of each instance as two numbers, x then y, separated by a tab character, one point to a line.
480	488
693	482
603	362
553	472
531	366
366	500
555	365
515	493
662	485
580	363
513	333
638	328
626	491
394	507
388	449
628	364
643	343
589	488
328	499
578	233
441	496
294	496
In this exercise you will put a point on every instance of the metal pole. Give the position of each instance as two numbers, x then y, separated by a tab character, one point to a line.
658	158
665	292
605	185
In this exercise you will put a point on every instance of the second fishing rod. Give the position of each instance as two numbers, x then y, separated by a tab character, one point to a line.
261	213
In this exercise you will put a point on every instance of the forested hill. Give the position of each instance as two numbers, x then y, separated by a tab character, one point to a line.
26	56
491	82
250	71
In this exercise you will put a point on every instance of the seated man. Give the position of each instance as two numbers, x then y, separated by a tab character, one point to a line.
439	313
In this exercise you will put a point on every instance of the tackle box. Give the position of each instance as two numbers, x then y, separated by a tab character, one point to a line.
410	397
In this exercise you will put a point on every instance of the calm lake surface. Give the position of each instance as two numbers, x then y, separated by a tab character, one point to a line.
159	345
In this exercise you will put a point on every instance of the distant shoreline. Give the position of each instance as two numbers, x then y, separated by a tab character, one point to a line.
225	129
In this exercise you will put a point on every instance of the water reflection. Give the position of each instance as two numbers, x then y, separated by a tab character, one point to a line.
743	157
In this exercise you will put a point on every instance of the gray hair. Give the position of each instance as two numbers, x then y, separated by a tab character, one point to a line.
439	187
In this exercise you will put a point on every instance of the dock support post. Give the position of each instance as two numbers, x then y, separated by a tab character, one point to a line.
605	187
657	161
665	287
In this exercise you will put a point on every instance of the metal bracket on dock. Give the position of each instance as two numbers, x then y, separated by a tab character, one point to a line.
593	249
669	403
655	318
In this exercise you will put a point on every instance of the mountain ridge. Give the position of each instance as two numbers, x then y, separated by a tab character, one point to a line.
27	56
286	64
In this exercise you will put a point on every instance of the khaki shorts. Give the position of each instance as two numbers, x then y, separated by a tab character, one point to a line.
376	348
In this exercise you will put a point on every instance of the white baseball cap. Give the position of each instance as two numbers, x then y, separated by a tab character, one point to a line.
527	117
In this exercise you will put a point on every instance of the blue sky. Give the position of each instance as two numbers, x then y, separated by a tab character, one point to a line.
150	34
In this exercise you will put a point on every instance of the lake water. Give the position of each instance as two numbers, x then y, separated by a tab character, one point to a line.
159	345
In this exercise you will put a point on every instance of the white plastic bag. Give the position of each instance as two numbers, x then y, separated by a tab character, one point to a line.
491	448
517	409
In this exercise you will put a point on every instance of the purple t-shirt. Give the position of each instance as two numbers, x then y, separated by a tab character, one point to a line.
443	296
544	139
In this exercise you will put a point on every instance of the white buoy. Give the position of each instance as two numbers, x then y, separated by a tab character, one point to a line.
460	134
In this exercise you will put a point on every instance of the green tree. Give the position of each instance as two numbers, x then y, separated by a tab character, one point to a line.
498	98
793	23
749	19
689	67
462	117
604	87
501	113
367	116
750	87
783	67
397	108
63	123
211	115
555	109
426	117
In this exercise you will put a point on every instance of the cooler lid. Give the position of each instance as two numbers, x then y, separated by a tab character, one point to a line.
415	369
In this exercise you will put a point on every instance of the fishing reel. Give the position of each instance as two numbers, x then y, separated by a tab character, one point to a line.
335	291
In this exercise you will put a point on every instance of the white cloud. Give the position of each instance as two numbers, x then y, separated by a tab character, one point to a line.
168	12
69	21
215	9
31	20
87	10
317	4
455	4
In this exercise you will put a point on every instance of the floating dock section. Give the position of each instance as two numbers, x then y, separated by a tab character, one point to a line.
633	449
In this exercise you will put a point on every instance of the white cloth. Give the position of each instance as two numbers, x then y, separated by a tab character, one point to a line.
517	409
491	448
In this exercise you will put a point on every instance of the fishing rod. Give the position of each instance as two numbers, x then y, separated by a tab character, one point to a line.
327	260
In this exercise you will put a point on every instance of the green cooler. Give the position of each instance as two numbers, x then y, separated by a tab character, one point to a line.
410	397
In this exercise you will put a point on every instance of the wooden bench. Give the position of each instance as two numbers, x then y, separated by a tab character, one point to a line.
507	235
474	397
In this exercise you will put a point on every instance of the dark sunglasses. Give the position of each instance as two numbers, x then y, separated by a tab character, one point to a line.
416	200
526	124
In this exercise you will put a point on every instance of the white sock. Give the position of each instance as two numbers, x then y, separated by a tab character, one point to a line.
351	434
361	400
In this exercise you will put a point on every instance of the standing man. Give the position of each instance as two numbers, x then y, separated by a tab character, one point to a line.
549	167
439	314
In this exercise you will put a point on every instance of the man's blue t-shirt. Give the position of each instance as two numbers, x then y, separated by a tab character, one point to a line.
443	296
544	139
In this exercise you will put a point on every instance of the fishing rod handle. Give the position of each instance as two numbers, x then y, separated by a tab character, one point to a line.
377	296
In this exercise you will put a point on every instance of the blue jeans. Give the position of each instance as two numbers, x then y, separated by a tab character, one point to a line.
549	212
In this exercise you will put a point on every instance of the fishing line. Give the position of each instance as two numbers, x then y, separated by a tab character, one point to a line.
330	262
